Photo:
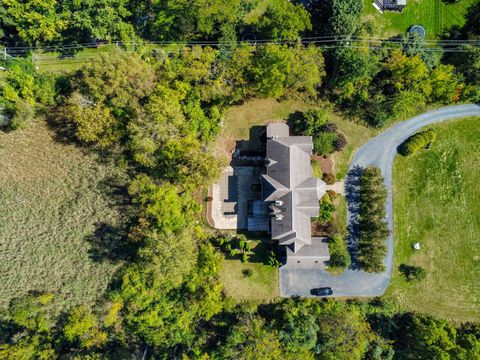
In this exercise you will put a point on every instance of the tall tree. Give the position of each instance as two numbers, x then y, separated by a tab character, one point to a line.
284	20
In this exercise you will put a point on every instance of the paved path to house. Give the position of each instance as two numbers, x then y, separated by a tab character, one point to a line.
380	152
338	187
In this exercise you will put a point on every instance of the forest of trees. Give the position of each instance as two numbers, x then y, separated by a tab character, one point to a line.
156	112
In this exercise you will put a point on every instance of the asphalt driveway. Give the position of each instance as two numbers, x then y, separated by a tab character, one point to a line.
380	152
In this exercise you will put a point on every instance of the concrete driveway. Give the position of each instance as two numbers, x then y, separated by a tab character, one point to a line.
380	152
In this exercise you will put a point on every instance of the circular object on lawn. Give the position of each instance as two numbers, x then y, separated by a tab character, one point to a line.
417	29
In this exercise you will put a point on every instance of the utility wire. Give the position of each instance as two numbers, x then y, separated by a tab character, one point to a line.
325	42
305	40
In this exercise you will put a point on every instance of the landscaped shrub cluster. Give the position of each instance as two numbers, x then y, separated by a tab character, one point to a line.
326	137
238	245
326	225
339	255
327	208
417	142
372	228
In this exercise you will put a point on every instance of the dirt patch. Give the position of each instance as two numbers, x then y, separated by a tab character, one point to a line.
224	147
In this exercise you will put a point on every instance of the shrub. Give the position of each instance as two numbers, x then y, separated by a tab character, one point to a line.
247	272
333	195
241	244
339	260
323	143
412	273
272	259
329	178
330	127
340	142
23	115
244	257
339	255
416	142
316	168
326	209
310	122
45	90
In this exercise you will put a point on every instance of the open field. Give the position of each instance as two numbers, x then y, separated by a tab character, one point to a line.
261	286
55	208
437	203
434	15
55	62
239	120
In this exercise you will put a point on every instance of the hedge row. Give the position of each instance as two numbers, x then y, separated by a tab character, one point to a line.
418	141
373	230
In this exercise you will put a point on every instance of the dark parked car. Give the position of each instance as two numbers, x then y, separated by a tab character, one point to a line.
323	291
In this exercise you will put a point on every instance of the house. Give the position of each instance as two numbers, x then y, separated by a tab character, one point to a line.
291	196
391	5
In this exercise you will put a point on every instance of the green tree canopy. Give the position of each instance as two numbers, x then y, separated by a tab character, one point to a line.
284	20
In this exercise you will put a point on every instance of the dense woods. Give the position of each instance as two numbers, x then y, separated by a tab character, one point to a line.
156	112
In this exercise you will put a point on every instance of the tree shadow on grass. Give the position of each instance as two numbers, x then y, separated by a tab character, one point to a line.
111	243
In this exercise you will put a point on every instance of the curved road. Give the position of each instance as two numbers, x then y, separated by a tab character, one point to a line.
380	152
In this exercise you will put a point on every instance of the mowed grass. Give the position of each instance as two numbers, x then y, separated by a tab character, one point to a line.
261	286
53	62
437	203
53	197
434	15
240	119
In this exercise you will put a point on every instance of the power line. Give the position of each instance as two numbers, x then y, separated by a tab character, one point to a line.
305	40
324	43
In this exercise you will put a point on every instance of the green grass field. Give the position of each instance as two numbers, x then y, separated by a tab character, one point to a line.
434	15
437	203
56	63
53	198
261	286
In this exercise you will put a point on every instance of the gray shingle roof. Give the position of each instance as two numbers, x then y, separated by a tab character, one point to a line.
289	181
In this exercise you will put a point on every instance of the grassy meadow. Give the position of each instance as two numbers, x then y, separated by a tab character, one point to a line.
55	214
434	15
437	203
55	62
261	286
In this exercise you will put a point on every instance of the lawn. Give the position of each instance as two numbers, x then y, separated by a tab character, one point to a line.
55	62
434	15
55	207
239	120
262	285
437	203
